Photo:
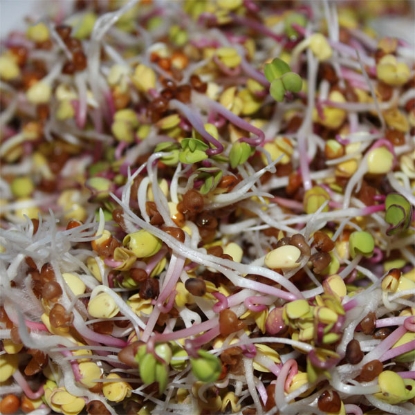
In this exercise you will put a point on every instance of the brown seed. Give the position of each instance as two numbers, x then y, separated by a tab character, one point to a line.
206	220
197	84
138	274
322	242
384	92
10	404
15	336
294	183
121	323
19	54
329	401
320	261
229	322
58	316
132	407
73	223
397	138
354	354
51	291
215	251
382	333
103	327
370	371
47	273
286	240
97	408
179	60
167	94
183	93
176	233
195	286
73	44
79	60
327	72
64	31
164	63
368	324
26	405
149	288
299	241
192	201
68	68
270	404
152	211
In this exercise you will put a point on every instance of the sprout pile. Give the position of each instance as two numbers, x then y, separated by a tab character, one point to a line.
207	207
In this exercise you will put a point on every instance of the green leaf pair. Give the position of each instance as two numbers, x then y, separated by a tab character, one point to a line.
193	151
211	177
240	153
152	370
207	367
282	79
398	213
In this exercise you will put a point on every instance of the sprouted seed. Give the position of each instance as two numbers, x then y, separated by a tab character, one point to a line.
207	207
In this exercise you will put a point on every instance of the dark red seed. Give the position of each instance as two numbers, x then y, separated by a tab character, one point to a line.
51	291
329	401
195	286
370	371
368	324
354	354
64	31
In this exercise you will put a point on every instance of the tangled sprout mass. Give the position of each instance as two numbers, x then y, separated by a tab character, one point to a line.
207	208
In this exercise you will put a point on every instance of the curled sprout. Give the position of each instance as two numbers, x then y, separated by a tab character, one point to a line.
398	213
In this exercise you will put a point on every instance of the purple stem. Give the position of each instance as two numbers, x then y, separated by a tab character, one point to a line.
396	351
257	303
120	148
22	382
196	120
155	259
322	364
239	122
377	255
407	375
166	308
390	321
410	323
190	331
257	26
74	364
233	72
249	351
253	73
192	346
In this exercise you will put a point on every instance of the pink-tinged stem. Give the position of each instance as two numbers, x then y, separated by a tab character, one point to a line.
155	259
257	26
396	351
239	122
281	382
74	364
390	321
410	323
352	409
190	331
381	349
407	375
222	303
292	372
22	382
196	120
258	303
34	325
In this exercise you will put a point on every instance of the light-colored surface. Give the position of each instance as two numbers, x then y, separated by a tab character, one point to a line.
13	12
